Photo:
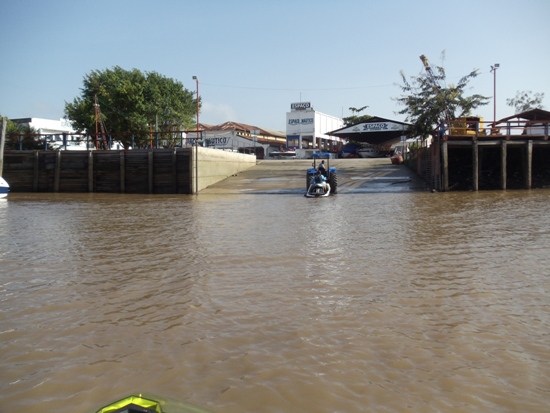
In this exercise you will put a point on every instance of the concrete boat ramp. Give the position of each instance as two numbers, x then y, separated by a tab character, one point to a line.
289	177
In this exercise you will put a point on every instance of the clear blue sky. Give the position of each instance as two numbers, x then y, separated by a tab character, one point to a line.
254	58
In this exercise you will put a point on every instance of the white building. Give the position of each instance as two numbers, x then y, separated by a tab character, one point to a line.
47	126
240	137
59	134
306	130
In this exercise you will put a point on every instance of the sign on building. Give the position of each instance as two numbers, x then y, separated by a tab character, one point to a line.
300	106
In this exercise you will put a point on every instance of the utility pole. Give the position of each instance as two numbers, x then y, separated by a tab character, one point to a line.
494	72
197	141
197	84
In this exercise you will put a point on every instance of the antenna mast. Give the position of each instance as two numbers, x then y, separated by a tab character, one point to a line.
100	140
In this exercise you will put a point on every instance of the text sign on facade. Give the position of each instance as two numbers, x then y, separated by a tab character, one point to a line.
300	106
216	141
305	121
375	127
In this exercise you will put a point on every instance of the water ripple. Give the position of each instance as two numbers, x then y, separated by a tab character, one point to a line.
385	302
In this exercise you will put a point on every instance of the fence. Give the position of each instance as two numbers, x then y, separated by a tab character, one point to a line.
78	141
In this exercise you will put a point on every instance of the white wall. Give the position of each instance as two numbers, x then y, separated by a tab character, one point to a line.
215	165
310	123
50	126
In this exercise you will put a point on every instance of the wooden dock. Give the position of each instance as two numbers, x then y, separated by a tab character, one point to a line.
483	156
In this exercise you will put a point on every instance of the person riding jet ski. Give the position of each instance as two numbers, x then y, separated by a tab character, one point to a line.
321	168
320	178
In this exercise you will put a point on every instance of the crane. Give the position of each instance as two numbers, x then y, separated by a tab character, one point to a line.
430	71
99	122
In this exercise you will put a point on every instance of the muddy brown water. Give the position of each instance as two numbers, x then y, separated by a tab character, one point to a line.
262	301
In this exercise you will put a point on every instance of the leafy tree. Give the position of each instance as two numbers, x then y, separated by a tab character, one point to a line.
21	136
356	118
11	127
525	101
132	102
426	103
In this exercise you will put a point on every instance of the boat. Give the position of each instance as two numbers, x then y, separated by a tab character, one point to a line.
4	188
318	189
368	152
396	159
71	145
149	404
283	154
321	179
132	404
349	150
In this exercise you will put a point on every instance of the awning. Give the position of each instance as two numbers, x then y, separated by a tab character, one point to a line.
375	131
532	115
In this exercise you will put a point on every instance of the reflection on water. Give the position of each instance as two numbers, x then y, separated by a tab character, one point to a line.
247	303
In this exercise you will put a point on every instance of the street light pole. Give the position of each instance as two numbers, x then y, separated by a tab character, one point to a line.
494	71
197	141
197	83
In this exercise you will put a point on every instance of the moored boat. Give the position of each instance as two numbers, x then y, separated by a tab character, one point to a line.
368	152
396	158
4	188
283	154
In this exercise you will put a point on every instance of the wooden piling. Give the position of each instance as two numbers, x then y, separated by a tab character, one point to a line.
122	169
57	175
475	166
529	165
36	165
174	172
503	154
90	171
150	170
445	156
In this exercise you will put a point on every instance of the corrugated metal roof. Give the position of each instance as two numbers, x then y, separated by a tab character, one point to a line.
242	127
353	132
533	114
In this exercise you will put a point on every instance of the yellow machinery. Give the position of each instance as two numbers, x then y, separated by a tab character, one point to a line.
469	126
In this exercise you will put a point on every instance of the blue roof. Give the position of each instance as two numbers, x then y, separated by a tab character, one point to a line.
321	155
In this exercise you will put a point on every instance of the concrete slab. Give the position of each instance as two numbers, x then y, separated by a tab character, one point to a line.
288	176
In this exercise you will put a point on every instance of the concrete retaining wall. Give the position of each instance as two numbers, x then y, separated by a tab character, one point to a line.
215	165
158	171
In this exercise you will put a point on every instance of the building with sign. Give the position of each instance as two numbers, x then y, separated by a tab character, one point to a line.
239	137
47	126
306	130
58	134
379	132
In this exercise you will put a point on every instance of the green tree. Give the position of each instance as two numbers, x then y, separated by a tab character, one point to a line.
21	136
11	127
356	118
132	102
426	102
525	101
